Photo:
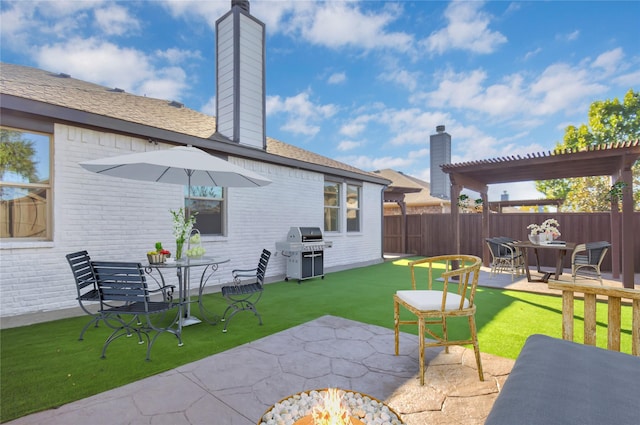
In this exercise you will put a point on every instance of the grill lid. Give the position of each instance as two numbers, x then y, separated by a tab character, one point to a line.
304	234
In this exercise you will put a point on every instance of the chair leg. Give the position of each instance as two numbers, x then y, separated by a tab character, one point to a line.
476	346
396	321
421	347
237	307
445	337
96	320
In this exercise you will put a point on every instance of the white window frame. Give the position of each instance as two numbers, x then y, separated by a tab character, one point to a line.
357	208
47	187
327	208
222	199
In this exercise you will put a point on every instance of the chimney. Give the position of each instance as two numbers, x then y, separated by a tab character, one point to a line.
240	76
242	4
440	153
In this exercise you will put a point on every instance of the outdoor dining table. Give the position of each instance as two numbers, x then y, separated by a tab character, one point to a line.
561	248
183	267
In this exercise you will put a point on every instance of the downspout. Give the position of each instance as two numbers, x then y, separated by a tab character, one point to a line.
384	187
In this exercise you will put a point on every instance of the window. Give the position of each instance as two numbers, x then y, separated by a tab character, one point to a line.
353	208
208	203
331	207
25	184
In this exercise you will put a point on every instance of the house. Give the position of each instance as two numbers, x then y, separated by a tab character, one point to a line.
417	195
51	206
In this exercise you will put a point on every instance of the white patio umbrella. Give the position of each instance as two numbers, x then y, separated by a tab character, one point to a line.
183	165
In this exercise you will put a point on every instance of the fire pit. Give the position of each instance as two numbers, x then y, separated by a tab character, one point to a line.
330	407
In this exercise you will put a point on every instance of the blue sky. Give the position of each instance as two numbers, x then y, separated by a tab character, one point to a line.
363	82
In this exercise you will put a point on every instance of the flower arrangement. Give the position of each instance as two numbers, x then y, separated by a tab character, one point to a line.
182	226
549	226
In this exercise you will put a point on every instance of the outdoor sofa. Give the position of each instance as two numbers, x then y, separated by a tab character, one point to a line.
561	382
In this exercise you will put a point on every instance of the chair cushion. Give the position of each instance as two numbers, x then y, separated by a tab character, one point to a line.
430	300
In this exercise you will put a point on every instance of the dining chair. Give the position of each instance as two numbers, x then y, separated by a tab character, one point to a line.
588	256
86	287
505	257
127	304
433	307
243	295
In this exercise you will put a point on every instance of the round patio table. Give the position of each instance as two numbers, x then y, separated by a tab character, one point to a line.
183	267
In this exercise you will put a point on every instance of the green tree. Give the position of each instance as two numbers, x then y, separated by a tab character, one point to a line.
16	156
609	122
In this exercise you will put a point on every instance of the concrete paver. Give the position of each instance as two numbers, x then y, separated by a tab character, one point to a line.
237	386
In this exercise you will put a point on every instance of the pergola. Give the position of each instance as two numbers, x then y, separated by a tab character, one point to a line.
613	160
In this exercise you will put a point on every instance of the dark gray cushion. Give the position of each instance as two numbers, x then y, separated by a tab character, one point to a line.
560	382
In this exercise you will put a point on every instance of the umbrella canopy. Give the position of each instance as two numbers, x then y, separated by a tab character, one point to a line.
183	165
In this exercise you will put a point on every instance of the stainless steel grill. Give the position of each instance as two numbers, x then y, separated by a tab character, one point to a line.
304	249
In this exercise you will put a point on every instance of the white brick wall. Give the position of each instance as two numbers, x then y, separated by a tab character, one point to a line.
119	219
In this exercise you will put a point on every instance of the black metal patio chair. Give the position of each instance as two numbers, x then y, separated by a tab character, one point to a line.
125	283
86	286
243	296
589	256
505	256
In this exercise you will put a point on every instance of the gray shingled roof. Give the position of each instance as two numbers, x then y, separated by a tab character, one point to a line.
417	192
67	92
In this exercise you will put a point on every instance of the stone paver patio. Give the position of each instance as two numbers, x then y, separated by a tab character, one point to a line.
239	385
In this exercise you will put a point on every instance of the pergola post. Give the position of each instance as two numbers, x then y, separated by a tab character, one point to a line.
486	228
629	234
455	214
616	247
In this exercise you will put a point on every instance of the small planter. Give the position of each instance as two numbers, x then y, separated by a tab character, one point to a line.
156	258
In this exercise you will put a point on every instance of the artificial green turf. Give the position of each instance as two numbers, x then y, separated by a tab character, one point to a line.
44	365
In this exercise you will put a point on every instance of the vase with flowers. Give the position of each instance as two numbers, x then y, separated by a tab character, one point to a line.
182	226
545	232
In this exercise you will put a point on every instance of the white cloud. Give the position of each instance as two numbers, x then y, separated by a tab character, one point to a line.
196	10
302	115
108	64
337	78
367	163
412	125
467	29
571	36
343	24
631	79
357	125
561	87
348	145
532	53
116	20
175	56
401	77
609	61
209	108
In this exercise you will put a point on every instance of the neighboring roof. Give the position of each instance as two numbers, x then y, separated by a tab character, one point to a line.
61	97
417	192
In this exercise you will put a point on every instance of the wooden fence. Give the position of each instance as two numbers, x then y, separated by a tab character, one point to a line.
431	234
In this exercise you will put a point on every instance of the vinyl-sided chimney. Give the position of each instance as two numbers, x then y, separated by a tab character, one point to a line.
240	76
440	153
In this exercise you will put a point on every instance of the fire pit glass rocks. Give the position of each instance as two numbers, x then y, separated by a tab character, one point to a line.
330	407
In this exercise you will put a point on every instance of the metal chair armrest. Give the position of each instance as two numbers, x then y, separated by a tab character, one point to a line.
244	272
